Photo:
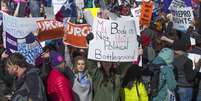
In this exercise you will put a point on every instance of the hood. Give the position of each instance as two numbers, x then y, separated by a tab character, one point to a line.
166	56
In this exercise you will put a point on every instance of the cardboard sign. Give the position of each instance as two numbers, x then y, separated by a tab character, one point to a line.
76	35
50	29
182	18
146	13
114	41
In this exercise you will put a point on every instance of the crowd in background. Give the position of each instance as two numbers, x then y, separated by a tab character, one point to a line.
53	79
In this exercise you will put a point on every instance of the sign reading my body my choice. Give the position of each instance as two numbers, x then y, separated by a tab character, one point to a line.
114	41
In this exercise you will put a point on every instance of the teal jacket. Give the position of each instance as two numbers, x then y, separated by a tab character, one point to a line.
167	78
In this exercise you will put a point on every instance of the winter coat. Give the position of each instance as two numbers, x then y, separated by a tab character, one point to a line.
108	90
29	87
167	78
132	95
184	71
82	88
59	87
6	81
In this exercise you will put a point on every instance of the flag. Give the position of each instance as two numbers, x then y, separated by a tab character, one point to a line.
67	10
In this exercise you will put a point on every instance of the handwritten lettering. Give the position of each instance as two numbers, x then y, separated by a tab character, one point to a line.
112	56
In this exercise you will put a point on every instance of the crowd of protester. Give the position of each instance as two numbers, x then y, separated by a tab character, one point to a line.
53	79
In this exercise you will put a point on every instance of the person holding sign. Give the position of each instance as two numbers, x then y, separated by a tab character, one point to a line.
106	79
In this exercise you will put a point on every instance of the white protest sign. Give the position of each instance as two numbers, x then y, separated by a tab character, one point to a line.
176	4
19	27
136	21
136	11
114	41
182	18
57	4
195	58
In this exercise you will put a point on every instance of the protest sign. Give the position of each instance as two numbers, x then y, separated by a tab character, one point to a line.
28	46
114	41
182	18
136	12
49	29
136	21
146	13
176	4
10	43
19	38
195	58
75	35
19	27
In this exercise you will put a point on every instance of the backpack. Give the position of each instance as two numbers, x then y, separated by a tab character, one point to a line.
151	76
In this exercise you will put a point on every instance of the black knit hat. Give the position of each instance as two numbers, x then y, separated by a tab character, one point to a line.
180	45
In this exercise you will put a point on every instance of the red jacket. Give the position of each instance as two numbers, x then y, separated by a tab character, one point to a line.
59	87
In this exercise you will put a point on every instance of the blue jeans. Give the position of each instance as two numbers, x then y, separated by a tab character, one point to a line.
185	93
199	95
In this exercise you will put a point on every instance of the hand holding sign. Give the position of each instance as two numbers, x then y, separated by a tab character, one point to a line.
113	40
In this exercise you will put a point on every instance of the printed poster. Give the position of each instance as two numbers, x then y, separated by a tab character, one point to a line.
146	13
76	35
49	30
